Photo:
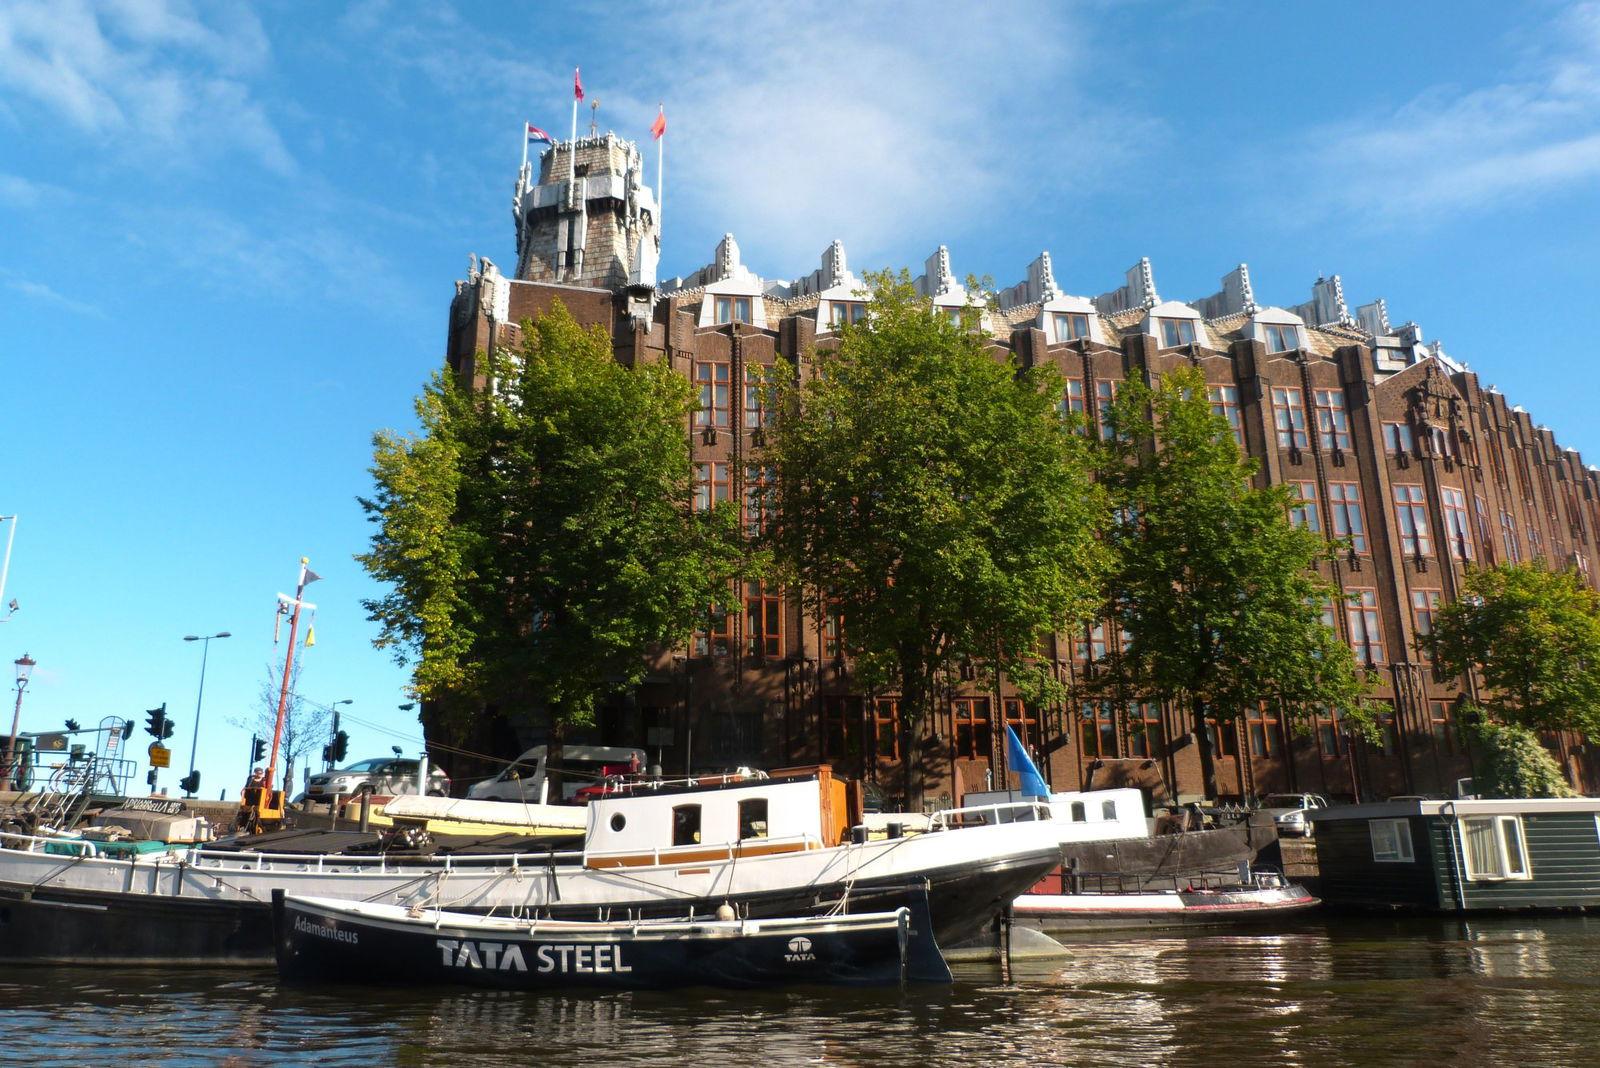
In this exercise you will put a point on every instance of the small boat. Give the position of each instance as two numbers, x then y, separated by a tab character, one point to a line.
1083	904
331	940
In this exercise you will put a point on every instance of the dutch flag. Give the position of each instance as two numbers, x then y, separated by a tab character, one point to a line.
536	134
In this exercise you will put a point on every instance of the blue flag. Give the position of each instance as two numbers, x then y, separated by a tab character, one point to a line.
1031	781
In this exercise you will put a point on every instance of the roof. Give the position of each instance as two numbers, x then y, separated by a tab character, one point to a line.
1509	806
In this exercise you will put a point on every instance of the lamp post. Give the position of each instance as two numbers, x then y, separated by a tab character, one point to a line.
24	665
194	739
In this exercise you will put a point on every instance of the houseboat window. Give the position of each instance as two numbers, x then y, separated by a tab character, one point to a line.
1108	810
685	824
1495	847
753	818
1078	813
1391	841
618	821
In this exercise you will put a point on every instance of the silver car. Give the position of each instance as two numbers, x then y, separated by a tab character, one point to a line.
1289	812
386	776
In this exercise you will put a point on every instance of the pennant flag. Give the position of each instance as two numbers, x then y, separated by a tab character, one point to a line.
1031	782
536	134
311	636
312	576
659	127
577	85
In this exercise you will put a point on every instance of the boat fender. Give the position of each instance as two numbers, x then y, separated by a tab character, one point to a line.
725	912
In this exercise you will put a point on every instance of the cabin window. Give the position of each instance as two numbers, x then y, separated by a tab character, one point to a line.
1077	814
1495	847
685	825
753	818
1108	810
618	821
1391	841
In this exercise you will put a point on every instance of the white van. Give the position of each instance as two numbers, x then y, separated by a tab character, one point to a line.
524	779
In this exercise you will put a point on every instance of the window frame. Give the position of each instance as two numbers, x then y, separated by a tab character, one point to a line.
1289	417
1307	512
1504	874
1365	620
1281	337
1333	419
732	308
1225	402
970	718
683	833
1173	329
714	393
1403	851
1411	509
1344	501
763	621
1077	324
1457	523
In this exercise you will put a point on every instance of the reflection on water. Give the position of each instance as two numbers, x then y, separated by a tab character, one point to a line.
1335	992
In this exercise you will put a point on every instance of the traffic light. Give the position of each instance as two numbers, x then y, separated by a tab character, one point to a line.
156	722
167	727
258	749
127	731
72	725
340	746
190	783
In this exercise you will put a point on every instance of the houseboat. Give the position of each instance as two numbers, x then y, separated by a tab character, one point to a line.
1461	856
781	846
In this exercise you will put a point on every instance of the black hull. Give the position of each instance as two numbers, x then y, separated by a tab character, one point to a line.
61	926
319	945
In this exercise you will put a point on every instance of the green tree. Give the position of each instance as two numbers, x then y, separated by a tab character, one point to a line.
1534	634
1509	760
931	496
1212	584
537	535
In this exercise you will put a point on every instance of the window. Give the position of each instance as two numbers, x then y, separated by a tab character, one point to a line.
763	632
1019	720
710	485
753	818
1330	731
1333	422
1412	516
717	637
1072	399
832	634
1225	402
1440	727
1391	841
1424	606
1224	742
972	727
1289	414
1330	618
1495	847
886	728
1345	500
733	310
1361	612
1443	442
1104	394
1397	438
1146	732
1175	332
1266	736
712	381
1388	740
1455	523
755	395
685	825
760	486
1108	811
1282	338
1070	326
1078	814
1508	534
845	312
1306	513
841	727
1099	729
1091	644
1480	513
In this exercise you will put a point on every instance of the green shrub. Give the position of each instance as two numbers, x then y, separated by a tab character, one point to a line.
1509	761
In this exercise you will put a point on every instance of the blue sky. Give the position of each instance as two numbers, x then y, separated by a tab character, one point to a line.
228	236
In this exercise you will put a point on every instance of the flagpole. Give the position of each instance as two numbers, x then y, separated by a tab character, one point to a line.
661	188
524	149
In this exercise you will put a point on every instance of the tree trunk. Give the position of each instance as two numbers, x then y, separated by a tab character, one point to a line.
913	706
1208	763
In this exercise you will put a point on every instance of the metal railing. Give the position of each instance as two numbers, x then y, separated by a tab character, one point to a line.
950	819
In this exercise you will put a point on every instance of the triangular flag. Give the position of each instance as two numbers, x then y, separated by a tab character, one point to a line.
311	636
659	127
577	85
1029	779
311	576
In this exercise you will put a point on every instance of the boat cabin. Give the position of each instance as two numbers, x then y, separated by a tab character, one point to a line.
719	818
1083	815
1449	856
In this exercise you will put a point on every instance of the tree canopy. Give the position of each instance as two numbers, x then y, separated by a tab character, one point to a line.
1214	588
1534	635
537	535
932	497
1509	760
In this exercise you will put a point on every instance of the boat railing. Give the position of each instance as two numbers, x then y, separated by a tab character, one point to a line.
950	819
702	851
381	863
1069	882
31	843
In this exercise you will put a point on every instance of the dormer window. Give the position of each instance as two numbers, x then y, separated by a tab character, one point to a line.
1070	326
733	310
1282	338
1175	332
954	315
846	313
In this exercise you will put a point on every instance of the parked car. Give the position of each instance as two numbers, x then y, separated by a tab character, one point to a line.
1288	811
383	775
581	766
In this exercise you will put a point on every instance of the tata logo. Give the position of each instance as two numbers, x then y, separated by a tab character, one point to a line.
799	950
498	956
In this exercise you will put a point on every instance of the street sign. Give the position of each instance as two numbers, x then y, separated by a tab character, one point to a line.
160	756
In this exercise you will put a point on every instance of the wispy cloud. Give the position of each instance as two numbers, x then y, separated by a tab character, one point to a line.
159	77
43	294
1456	149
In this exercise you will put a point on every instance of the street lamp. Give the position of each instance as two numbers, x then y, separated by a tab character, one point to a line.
24	665
194	739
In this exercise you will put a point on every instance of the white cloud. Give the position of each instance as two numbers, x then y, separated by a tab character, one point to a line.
42	293
154	77
1452	150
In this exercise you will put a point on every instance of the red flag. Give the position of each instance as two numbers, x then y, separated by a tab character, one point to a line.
577	85
659	127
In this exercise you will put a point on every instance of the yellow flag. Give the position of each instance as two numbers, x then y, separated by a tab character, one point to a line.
311	636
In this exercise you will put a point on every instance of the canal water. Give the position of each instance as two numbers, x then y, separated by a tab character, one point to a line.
1331	992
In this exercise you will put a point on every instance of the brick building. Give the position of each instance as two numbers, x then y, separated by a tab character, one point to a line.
1389	442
